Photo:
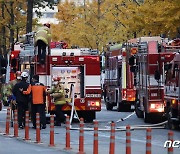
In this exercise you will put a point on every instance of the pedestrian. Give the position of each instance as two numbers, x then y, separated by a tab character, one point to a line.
38	92
58	94
42	41
21	99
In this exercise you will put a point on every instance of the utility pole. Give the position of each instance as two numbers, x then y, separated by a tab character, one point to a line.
29	15
12	26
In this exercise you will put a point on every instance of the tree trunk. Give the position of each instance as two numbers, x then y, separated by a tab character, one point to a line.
3	33
29	15
12	27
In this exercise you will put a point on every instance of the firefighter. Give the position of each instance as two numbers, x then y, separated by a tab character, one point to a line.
42	41
21	99
7	90
38	92
12	84
58	94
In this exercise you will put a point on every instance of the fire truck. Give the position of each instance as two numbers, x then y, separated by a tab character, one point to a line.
150	62
172	86
119	89
78	67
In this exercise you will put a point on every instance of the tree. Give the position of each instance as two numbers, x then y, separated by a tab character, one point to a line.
36	4
11	19
156	17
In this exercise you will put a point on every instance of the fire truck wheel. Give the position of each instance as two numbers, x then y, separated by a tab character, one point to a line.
120	107
139	113
109	106
147	117
87	116
171	124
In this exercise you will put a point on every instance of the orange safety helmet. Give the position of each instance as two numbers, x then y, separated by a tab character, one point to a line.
47	25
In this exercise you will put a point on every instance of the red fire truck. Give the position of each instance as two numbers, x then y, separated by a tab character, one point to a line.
172	86
74	66
150	79
119	87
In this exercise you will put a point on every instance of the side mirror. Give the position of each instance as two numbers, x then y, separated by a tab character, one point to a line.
157	75
131	60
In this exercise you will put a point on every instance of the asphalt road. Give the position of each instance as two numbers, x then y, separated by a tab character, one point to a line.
138	137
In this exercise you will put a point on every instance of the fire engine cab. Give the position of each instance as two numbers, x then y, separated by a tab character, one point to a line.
76	67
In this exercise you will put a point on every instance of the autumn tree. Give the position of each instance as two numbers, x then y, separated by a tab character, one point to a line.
12	21
93	24
156	17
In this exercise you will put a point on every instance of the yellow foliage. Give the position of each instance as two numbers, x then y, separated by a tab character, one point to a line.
96	24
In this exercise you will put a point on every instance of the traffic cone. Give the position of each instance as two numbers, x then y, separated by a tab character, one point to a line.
95	147
38	138
27	125
67	134
81	137
15	123
51	143
128	140
112	139
148	141
7	122
170	138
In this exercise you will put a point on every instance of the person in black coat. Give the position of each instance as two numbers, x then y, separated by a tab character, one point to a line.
21	99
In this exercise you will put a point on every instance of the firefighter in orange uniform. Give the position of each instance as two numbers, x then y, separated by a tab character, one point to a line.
42	41
38	92
58	94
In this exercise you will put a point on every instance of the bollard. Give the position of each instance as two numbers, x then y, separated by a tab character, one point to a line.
67	134
170	138
38	138
51	142
95	147
15	123
7	122
112	139
81	137
128	140
148	141
27	125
